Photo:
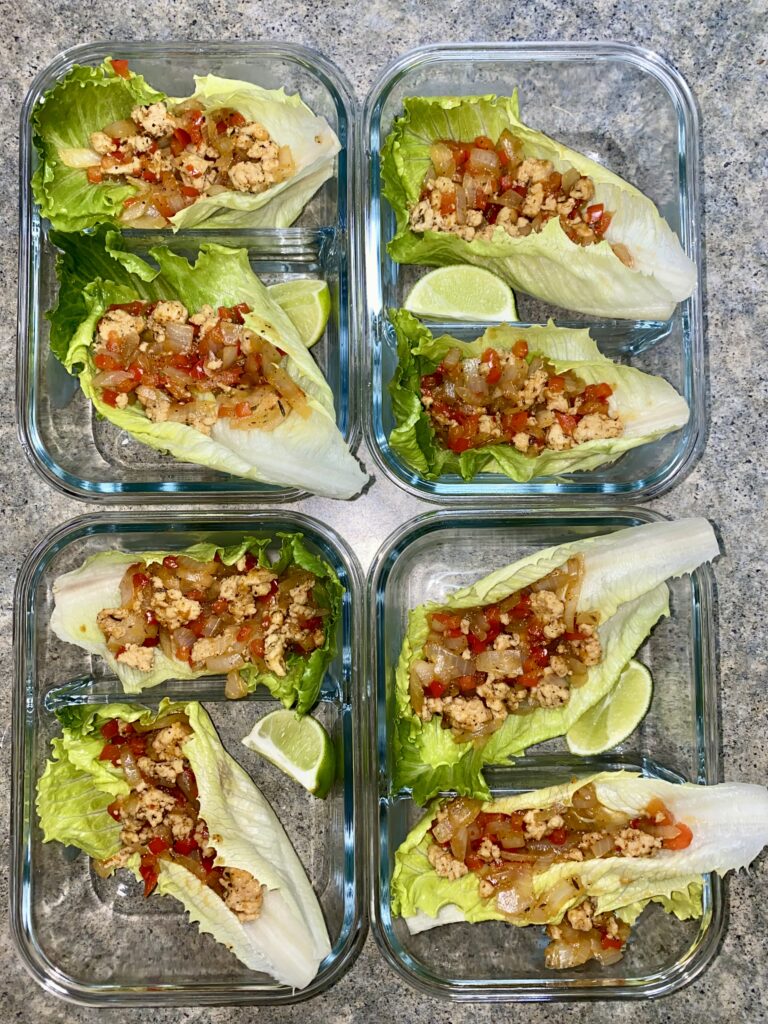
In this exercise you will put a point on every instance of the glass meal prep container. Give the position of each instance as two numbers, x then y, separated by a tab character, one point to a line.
97	941
622	106
64	439
677	740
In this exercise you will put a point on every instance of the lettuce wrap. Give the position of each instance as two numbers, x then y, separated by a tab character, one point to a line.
289	940
81	594
96	272
649	407
623	580
547	264
89	98
729	823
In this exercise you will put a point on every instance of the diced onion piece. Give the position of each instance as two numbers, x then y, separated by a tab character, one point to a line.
229	356
225	662
120	129
179	337
112	379
483	162
416	693
459	843
442	159
424	672
462	811
620	251
183	637
152	223
446	666
134	211
601	846
511	199
570	178
235	687
510	146
291	391
80	159
161	723
461	205
571	950
502	663
130	767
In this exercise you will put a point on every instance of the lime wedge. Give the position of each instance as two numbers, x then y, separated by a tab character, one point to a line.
616	716
307	303
298	746
462	293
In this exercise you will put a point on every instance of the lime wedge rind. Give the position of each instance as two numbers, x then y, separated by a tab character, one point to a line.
300	747
307	302
464	293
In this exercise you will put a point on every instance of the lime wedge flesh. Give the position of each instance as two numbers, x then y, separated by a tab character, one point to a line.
298	746
307	303
616	716
462	293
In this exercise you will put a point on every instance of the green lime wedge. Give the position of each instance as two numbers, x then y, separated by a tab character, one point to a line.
617	715
298	746
307	303
462	293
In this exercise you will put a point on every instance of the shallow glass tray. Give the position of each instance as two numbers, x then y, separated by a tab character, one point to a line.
97	941
623	106
677	740
64	439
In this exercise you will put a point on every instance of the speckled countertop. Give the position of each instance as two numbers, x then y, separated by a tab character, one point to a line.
720	49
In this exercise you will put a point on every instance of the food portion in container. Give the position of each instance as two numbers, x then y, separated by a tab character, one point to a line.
198	360
159	795
523	401
261	611
470	183
518	657
113	149
584	859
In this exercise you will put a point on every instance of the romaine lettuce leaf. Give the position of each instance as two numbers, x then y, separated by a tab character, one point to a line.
289	940
302	452
547	264
649	407
90	98
729	824
624	574
81	594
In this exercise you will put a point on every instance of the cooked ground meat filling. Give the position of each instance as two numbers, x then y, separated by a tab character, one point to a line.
180	154
505	851
528	651
192	369
471	188
160	817
509	398
216	617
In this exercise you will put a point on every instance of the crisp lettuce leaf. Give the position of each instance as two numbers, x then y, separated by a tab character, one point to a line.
81	594
90	98
649	407
624	574
85	101
307	452
729	824
289	940
547	264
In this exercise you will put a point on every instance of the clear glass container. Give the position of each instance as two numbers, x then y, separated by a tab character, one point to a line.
677	740
66	442
623	106
97	941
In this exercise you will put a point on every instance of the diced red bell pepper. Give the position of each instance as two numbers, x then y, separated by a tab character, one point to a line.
171	562
476	645
567	422
556	383
448	620
109	397
189	191
185	846
520	348
95	175
598	391
110	729
158	845
110	752
557	836
682	840
473	862
120	67
594	213
435	688
135	308
113	810
611	941
148	871
528	680
219	606
467	684
256	647
483	142
522	610
150	641
493	360
251	561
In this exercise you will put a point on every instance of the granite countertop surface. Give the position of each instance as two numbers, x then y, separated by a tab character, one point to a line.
721	51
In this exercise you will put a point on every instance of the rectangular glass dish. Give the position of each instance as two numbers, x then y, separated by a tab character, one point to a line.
67	444
97	941
677	740
621	105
